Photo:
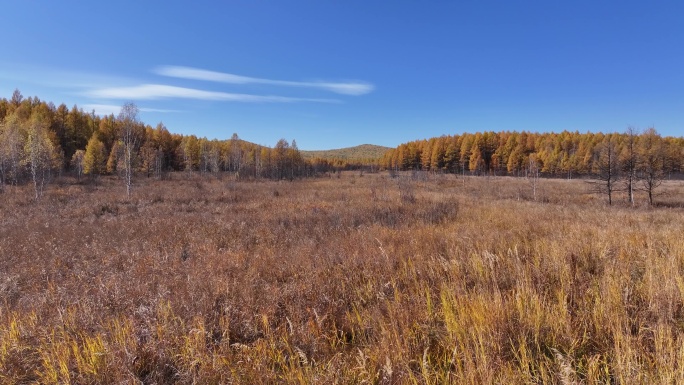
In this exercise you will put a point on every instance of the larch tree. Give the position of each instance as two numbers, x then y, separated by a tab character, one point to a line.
281	158
295	160
113	158
426	154
265	163
476	162
516	160
148	154
190	147
108	132
452	154
94	157
466	146
438	154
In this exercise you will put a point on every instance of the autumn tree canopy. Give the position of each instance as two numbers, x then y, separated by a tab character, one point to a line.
564	154
33	131
38	139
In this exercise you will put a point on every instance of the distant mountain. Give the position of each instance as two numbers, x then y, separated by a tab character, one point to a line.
362	152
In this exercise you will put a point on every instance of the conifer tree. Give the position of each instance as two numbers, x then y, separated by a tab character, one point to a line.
94	157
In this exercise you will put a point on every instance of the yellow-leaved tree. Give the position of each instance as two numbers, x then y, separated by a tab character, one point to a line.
94	159
40	153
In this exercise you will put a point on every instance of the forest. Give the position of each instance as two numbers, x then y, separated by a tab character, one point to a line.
565	154
39	140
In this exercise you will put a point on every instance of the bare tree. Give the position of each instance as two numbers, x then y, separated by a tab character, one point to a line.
158	163
628	160
651	162
235	151
533	175
128	118
4	161
213	157
210	156
606	167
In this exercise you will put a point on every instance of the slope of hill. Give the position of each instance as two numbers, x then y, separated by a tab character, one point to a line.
361	152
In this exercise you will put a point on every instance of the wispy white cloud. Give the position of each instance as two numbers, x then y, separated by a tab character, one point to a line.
102	109
107	109
161	91
147	109
58	78
344	88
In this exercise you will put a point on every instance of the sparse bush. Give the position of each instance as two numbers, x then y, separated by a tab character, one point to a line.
106	208
438	212
406	191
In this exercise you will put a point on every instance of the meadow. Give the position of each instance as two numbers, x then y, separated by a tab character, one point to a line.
348	279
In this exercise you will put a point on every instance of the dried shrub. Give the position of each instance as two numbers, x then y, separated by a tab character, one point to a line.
406	191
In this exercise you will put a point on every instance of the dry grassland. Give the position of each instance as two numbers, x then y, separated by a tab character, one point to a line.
350	280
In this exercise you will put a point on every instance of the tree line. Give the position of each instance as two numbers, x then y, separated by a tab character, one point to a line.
39	140
633	160
564	154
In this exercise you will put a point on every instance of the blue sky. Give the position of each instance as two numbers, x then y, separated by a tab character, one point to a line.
333	74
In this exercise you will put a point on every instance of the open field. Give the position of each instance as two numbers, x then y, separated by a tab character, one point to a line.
355	279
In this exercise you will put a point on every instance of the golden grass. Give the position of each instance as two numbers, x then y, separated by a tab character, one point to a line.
357	279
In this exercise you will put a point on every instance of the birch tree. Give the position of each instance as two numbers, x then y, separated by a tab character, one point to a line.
11	148
40	154
128	118
77	163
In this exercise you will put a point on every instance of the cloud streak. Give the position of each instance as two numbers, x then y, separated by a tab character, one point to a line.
344	88
161	91
107	109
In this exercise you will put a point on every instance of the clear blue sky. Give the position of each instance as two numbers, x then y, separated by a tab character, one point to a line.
333	74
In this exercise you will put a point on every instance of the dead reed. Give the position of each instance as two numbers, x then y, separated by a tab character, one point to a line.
340	280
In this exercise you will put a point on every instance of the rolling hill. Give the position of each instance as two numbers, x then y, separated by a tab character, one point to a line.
356	153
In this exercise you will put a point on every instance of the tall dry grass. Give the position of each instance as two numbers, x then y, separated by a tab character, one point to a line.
359	279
